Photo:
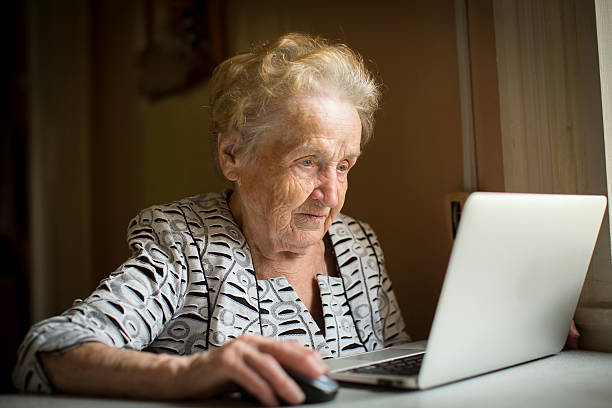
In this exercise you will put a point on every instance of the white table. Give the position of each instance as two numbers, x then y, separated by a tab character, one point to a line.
576	379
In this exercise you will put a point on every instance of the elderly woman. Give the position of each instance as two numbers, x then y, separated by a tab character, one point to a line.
217	282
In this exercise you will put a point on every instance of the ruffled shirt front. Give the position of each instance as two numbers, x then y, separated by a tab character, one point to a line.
190	285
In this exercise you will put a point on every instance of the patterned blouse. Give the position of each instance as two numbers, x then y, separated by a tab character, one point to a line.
190	285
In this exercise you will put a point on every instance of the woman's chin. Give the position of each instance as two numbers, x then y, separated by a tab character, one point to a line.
304	239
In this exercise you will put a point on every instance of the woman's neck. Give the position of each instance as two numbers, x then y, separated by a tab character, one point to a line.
301	264
292	266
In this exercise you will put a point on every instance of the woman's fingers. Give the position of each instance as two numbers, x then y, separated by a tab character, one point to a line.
258	365
572	337
291	355
256	385
275	376
232	359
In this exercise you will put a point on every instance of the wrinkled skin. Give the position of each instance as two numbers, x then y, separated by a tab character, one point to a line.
289	191
251	361
291	187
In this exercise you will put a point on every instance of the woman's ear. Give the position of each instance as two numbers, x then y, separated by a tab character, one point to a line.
226	149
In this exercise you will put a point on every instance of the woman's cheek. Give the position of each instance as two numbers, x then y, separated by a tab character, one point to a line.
301	187
342	188
281	202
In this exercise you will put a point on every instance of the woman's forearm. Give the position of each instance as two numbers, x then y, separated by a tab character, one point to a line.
253	362
96	368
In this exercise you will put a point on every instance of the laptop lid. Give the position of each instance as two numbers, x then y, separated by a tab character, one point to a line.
512	284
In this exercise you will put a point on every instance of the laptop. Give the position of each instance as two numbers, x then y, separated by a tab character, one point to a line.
512	284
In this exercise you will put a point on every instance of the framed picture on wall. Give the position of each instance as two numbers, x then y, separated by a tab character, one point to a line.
185	40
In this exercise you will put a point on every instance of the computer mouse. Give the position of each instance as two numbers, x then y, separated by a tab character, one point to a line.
320	389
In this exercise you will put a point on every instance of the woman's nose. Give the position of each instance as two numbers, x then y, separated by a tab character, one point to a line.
327	189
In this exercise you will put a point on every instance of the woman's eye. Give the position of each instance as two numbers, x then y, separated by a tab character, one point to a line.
306	163
343	168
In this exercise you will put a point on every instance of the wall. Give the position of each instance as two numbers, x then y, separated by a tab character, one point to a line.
151	152
59	154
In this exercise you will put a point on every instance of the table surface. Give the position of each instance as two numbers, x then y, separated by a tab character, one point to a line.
570	379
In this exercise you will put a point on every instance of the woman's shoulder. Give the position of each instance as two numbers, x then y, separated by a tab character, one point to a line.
178	210
205	201
184	220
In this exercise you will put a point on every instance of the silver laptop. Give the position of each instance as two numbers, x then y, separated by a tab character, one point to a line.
511	288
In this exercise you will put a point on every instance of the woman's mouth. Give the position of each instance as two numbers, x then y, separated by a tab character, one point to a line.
315	216
309	221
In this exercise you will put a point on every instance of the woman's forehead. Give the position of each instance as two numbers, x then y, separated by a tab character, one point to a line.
323	109
317	122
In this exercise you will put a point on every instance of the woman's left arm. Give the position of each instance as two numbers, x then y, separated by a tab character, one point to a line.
127	310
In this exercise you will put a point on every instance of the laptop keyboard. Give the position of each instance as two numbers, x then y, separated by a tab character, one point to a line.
409	365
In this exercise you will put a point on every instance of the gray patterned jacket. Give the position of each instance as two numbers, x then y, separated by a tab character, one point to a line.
190	285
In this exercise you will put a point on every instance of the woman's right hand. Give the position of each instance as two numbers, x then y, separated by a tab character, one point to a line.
251	361
254	363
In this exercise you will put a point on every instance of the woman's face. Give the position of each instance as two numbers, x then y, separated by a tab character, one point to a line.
294	185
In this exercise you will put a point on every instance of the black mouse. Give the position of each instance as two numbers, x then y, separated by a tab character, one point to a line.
320	389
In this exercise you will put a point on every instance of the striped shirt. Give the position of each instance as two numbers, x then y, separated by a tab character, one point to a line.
190	285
